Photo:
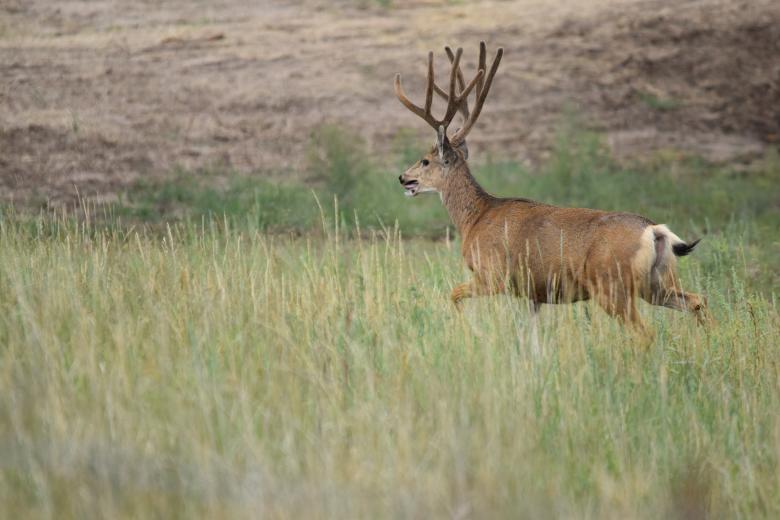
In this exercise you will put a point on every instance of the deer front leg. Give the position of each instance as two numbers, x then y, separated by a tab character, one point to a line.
472	289
623	306
461	292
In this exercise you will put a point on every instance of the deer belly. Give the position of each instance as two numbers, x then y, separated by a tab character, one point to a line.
505	272
553	286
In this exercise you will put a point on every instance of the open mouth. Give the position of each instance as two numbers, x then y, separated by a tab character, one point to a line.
410	188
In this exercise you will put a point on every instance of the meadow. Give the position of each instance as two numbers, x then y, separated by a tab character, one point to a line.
243	349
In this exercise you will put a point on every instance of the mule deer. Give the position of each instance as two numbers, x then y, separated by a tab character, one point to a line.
549	254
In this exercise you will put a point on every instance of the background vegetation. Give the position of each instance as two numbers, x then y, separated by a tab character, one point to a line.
245	349
695	198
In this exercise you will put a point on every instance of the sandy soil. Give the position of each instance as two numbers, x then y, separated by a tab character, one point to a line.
96	94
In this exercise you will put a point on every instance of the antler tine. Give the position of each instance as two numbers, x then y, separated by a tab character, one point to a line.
481	66
462	98
451	56
429	88
464	106
399	92
419	112
481	96
452	102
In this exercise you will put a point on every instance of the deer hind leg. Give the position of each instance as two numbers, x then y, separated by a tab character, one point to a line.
679	300
664	292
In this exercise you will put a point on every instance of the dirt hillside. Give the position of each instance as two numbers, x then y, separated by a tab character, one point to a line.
95	95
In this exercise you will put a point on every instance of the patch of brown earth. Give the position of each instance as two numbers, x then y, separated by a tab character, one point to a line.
97	94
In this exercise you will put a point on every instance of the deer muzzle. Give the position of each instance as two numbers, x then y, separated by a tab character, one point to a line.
410	186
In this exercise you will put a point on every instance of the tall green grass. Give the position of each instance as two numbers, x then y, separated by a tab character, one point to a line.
237	348
212	370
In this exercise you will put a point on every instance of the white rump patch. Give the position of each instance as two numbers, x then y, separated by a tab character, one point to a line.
645	257
662	229
652	254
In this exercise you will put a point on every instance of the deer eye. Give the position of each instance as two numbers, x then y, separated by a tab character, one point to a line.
425	162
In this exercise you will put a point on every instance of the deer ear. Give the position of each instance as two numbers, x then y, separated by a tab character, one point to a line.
442	143
464	150
444	147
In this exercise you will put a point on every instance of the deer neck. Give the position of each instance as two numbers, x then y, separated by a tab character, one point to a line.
464	198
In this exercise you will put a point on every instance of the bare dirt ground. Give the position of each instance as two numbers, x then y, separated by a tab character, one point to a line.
97	94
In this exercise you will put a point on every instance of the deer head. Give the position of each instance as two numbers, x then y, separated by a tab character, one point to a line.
449	153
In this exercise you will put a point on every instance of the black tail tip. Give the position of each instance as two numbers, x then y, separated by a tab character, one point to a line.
683	249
